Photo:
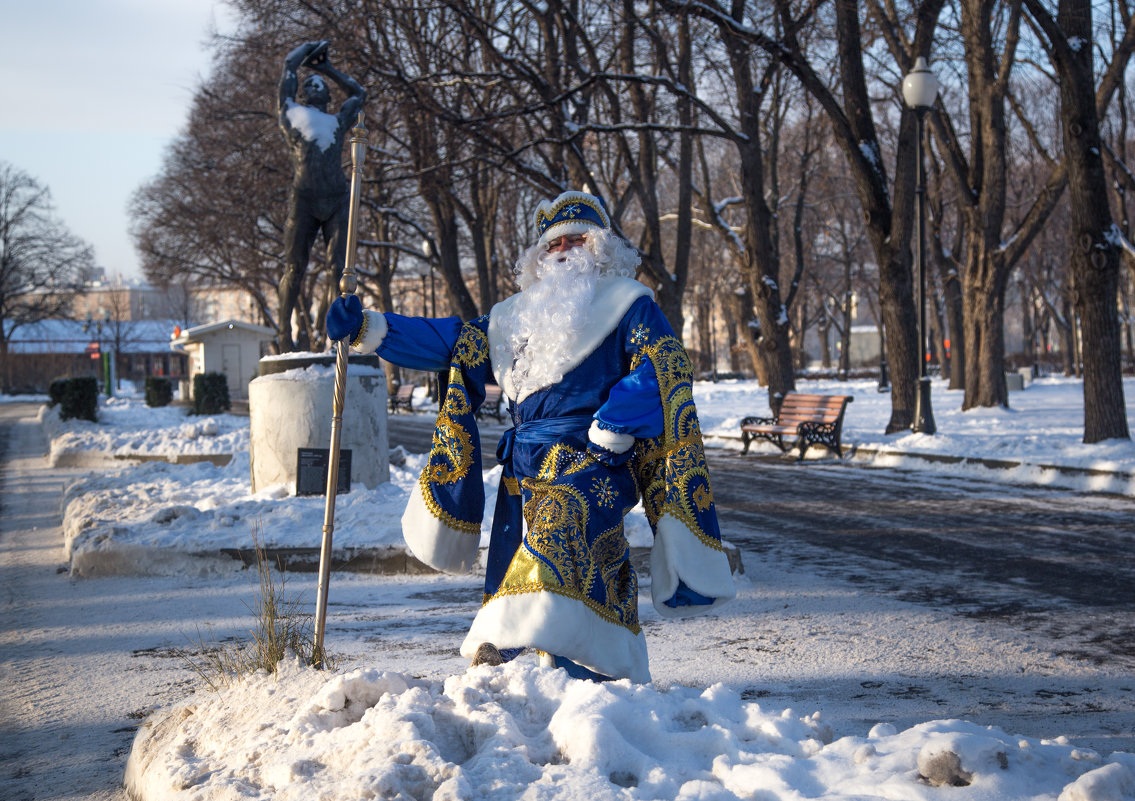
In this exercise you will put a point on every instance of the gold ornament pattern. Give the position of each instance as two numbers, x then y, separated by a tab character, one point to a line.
452	453
555	555
671	470
603	492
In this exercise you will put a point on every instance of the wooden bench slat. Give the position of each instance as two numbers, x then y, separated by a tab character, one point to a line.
813	419
403	398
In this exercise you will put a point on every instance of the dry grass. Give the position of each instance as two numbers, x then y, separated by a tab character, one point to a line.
284	627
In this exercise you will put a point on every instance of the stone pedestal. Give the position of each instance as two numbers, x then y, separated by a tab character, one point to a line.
290	408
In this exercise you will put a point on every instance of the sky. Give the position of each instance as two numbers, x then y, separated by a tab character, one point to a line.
93	91
846	705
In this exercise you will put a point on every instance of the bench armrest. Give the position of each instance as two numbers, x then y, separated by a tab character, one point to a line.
758	421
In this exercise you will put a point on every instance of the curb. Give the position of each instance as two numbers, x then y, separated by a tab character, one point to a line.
869	453
866	453
394	560
219	459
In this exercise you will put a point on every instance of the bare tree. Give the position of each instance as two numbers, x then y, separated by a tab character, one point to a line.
1096	249
42	264
850	112
214	215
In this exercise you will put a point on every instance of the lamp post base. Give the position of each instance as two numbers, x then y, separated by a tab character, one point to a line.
923	414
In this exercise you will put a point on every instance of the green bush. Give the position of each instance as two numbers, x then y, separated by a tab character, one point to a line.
56	390
210	393
159	390
79	398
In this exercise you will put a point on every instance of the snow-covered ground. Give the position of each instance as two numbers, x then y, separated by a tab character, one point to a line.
404	719
128	521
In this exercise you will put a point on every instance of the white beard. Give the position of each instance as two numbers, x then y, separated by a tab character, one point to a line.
545	321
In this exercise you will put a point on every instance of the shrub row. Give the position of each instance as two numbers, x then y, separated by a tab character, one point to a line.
210	394
75	397
159	390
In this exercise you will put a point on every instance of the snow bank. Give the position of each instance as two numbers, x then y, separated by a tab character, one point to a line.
127	428
160	518
523	731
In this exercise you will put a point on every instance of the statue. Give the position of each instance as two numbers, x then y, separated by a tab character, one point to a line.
320	194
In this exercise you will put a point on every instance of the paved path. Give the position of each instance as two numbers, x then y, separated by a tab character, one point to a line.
1054	559
82	663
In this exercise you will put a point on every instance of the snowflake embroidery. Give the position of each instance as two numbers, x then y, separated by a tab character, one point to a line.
603	491
702	497
639	335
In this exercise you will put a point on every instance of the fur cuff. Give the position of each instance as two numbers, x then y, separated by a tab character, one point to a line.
611	440
678	554
433	542
373	334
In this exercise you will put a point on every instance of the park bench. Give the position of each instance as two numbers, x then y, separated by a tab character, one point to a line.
811	419
492	405
403	398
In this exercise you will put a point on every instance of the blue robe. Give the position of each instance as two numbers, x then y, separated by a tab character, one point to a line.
558	576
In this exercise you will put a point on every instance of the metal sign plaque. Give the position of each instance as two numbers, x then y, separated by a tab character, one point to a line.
311	471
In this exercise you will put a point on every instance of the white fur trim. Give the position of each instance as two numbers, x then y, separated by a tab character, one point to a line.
679	554
613	297
376	332
611	440
435	543
557	624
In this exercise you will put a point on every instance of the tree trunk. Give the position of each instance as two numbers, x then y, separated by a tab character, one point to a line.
732	328
705	346
761	264
985	352
445	223
1095	252
1068	336
5	367
900	321
955	316
748	330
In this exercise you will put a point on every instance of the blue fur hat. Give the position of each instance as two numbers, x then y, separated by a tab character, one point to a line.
570	213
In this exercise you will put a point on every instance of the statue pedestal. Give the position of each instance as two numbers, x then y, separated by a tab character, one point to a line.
290	408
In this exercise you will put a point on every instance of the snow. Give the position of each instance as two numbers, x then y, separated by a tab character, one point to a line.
314	125
201	507
521	731
405	719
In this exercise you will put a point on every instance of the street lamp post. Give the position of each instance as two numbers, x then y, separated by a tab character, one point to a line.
106	360
919	90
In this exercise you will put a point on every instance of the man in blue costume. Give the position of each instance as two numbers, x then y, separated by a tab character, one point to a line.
599	390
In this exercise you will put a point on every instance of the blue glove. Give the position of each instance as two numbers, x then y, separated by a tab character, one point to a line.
345	318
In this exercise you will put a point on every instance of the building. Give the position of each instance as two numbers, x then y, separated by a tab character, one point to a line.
231	347
122	325
41	352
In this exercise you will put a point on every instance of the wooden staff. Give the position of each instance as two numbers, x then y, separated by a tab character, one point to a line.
347	285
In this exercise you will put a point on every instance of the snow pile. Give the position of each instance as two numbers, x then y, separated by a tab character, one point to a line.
158	518
522	731
127	428
131	521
